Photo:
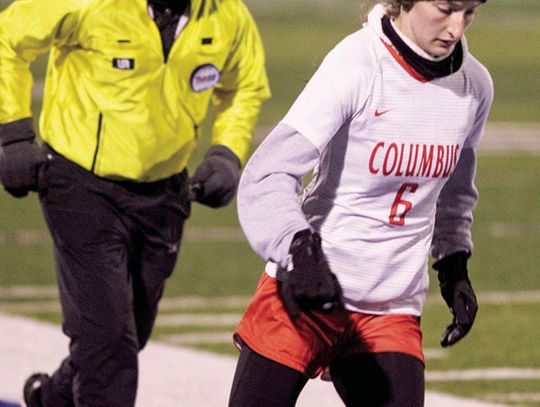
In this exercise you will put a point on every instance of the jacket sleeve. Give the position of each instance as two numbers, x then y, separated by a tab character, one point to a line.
242	89
27	29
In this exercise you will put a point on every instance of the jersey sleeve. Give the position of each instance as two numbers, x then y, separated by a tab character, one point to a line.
27	29
454	215
459	196
269	204
336	91
484	92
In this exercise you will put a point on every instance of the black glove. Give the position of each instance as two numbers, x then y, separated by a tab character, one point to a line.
20	158
458	293
215	180
308	284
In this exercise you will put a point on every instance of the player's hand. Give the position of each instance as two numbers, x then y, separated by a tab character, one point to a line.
458	294
20	158
308	284
215	180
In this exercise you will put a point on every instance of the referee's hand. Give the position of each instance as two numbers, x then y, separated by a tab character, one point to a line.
215	180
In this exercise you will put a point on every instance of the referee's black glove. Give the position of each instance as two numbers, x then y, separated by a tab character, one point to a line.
458	294
308	284
215	180
20	158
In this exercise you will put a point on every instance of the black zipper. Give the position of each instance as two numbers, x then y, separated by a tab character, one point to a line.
98	140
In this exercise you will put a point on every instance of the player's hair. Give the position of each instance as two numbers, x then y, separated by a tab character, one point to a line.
393	7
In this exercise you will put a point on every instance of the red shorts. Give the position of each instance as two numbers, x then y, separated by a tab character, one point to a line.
315	339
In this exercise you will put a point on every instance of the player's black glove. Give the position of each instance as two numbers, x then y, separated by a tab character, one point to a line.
215	180
308	284
458	293
20	158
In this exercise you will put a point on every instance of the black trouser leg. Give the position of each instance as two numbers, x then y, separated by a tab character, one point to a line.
158	216
151	265
58	391
96	297
388	379
115	244
261	382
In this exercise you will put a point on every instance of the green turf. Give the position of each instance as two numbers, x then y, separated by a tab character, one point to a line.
297	35
506	231
505	37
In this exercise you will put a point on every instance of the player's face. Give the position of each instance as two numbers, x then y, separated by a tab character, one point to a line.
437	25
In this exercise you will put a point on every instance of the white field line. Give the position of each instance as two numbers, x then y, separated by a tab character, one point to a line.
26	292
198	338
496	297
197	302
30	307
505	137
514	397
484	374
167	373
226	337
168	320
432	353
35	237
40	237
500	138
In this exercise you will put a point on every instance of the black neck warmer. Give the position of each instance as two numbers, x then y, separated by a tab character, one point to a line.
176	6
428	69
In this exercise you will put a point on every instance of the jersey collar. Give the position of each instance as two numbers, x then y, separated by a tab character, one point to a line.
428	69
420	68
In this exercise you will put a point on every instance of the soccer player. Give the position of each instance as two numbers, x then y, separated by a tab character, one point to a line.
128	85
390	123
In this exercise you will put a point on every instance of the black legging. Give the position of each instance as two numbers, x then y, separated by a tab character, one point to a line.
388	379
261	382
367	380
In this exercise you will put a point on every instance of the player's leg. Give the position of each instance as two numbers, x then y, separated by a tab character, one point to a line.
279	355
261	382
388	379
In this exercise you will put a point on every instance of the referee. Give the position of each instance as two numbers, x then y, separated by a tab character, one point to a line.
128	85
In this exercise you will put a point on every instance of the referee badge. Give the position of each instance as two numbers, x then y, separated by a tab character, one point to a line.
124	64
204	77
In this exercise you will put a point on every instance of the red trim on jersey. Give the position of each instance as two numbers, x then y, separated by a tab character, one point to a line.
315	339
400	60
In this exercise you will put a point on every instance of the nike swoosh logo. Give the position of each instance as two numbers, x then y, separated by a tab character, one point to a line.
377	113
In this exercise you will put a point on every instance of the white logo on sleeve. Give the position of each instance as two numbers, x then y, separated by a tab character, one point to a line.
204	77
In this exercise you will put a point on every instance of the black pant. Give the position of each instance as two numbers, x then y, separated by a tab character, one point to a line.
388	379
115	243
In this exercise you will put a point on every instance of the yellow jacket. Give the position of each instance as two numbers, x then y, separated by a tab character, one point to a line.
111	103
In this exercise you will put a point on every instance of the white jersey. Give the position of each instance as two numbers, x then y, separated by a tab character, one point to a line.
387	143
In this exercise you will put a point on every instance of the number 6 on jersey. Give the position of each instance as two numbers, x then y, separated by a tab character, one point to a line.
399	219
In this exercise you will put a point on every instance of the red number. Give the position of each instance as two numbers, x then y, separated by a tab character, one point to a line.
394	218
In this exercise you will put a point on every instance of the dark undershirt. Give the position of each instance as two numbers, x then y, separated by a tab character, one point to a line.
166	16
427	68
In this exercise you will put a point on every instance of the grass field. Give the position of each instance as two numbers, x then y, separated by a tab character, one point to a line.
217	271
